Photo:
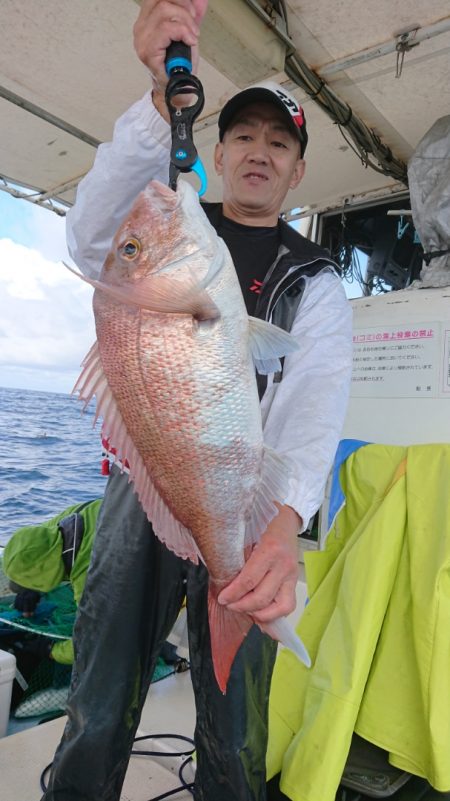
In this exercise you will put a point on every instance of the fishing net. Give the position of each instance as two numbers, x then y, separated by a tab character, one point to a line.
54	616
4	584
41	686
48	687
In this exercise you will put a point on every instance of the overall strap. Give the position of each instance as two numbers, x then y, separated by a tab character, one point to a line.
71	529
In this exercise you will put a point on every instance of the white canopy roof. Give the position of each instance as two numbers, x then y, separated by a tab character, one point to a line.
74	60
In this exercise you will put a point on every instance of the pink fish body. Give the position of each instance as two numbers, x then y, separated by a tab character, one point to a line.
173	372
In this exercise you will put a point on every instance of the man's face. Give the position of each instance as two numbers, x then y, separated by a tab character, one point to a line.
259	160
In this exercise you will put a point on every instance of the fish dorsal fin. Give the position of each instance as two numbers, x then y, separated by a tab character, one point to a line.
168	529
267	343
274	485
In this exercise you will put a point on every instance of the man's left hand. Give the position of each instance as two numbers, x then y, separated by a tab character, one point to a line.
265	587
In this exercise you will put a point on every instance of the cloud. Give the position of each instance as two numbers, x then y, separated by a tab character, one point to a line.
47	232
47	321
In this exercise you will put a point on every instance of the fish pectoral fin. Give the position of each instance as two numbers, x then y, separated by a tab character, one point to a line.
274	486
166	295
227	631
267	343
282	631
160	293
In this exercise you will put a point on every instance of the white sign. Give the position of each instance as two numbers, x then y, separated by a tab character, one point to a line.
446	368
397	361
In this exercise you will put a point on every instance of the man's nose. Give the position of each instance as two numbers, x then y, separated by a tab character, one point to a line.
259	151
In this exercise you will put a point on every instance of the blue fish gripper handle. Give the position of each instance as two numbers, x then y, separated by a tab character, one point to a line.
183	153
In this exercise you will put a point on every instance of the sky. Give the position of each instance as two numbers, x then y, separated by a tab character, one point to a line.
46	319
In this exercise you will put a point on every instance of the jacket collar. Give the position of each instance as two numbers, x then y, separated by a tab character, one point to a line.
301	249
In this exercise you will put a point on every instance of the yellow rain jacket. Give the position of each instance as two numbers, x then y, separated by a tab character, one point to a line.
377	627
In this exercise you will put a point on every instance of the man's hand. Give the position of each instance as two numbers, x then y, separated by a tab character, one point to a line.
26	602
265	587
159	23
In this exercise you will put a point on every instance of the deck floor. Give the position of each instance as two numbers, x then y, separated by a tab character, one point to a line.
23	756
169	708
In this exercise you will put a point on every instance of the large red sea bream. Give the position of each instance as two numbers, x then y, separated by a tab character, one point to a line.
173	373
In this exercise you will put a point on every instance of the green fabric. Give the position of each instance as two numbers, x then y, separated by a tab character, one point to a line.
63	652
33	559
377	628
54	617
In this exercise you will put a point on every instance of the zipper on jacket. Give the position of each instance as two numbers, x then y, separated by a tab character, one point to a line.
294	270
283	251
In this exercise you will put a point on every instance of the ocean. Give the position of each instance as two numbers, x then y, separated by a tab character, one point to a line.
50	457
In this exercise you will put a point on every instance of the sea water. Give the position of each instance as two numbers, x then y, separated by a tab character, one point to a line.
50	457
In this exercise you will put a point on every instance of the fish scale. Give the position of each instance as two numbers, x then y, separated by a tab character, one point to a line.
169	445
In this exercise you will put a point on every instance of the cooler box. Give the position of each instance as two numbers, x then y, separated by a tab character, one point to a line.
7	673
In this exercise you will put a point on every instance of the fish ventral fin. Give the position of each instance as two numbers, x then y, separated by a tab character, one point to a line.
169	530
160	293
276	470
267	343
227	631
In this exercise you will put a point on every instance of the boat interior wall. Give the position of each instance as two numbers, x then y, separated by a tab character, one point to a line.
78	66
400	388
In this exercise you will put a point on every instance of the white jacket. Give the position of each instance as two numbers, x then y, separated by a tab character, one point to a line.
304	413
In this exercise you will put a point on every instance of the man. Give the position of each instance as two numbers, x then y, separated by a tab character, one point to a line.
38	558
287	280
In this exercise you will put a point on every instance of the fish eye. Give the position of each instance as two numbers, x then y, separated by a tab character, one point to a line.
131	248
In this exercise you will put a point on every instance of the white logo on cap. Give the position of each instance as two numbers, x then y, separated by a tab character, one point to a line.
289	102
295	110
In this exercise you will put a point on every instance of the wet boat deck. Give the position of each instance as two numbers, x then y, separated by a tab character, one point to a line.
23	756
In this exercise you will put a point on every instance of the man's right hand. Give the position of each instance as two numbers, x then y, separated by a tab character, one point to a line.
159	23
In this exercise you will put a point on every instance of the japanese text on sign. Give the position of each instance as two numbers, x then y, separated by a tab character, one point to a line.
395	361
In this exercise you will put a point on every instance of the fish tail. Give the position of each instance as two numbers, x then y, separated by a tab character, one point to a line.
227	630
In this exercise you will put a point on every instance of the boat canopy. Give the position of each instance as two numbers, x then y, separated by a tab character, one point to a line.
376	69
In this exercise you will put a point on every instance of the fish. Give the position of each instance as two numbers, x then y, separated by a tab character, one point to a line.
173	375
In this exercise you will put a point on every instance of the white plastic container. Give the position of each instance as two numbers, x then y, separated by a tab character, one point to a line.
7	673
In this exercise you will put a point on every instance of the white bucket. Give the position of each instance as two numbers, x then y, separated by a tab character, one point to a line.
7	673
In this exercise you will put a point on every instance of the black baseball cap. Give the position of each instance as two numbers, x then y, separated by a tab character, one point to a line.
267	92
